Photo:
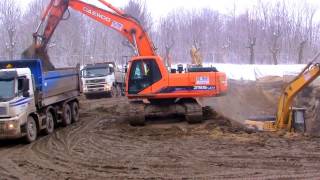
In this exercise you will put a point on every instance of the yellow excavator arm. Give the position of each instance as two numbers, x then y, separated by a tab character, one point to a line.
284	112
310	73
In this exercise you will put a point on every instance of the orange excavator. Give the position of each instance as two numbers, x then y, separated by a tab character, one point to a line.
151	89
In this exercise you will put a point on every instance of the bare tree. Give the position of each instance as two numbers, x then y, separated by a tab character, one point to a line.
281	32
10	15
252	36
139	10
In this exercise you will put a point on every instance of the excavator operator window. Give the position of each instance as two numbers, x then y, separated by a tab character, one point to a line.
143	74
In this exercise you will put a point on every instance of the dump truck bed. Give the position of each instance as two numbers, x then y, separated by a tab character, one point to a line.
52	86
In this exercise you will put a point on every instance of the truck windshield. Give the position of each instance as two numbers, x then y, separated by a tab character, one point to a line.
96	72
6	89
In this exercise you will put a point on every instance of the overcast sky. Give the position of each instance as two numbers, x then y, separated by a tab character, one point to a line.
160	8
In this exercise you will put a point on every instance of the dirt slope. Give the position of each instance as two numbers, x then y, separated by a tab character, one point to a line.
245	99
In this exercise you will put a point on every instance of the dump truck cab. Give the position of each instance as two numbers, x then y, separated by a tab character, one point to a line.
16	100
102	79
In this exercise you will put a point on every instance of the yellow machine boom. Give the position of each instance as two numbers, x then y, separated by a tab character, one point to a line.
284	113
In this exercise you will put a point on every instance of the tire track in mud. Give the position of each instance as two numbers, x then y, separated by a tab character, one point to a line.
99	147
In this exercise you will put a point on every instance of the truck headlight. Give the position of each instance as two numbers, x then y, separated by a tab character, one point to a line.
11	126
107	87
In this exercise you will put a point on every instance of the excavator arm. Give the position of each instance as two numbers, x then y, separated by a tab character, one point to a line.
117	20
284	111
308	74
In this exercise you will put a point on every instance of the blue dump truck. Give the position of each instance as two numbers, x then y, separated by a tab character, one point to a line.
34	101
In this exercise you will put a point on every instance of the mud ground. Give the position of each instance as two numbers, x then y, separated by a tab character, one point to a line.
103	146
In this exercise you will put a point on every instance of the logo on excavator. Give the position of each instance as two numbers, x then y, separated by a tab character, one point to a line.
203	88
202	80
96	14
117	25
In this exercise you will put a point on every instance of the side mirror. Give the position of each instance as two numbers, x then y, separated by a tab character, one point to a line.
111	70
25	88
81	73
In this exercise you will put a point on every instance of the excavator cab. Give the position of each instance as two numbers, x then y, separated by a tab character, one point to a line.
143	74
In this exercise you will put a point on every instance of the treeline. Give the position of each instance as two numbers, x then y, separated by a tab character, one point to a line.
269	33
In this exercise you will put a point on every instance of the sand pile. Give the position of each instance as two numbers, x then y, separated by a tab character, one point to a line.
243	100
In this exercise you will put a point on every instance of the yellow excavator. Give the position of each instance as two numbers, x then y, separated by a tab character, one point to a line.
196	56
285	117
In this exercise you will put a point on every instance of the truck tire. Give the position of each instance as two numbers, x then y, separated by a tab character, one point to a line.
75	111
119	91
49	123
66	115
31	129
113	92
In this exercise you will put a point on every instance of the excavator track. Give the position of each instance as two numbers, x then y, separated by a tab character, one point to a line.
194	113
136	114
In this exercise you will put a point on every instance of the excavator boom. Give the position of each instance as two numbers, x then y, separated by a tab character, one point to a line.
117	20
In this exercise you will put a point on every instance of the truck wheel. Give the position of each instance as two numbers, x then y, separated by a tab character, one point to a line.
32	130
49	123
75	111
119	93
113	92
66	115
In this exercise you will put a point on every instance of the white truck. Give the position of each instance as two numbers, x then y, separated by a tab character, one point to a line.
34	101
102	79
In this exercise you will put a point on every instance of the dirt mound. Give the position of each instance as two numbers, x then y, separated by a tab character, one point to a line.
268	79
243	100
310	100
38	53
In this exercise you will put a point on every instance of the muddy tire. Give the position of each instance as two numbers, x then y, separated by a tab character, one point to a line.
31	130
113	92
119	91
194	113
75	111
50	120
66	115
136	115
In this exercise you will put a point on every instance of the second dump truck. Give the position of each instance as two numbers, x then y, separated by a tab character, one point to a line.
102	79
34	101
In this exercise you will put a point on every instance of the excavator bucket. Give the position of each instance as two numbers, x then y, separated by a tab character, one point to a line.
261	124
268	124
34	52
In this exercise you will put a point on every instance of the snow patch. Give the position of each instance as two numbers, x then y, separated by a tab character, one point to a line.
254	72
